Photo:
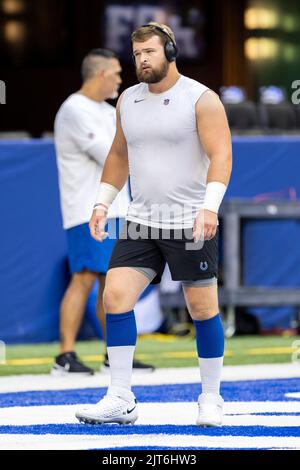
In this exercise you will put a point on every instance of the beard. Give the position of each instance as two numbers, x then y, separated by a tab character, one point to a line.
151	75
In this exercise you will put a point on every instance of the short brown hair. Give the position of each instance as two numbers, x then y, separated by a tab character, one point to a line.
143	33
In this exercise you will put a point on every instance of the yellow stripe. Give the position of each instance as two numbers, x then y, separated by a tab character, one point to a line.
39	361
268	351
150	356
175	354
160	338
93	358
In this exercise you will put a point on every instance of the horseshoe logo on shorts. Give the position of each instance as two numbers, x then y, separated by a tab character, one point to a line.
203	266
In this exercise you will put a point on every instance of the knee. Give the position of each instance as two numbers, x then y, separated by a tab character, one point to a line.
84	280
114	299
202	312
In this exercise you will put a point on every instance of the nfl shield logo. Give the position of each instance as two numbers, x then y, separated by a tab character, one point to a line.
166	102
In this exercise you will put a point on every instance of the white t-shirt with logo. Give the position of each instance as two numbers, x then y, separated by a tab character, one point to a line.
84	130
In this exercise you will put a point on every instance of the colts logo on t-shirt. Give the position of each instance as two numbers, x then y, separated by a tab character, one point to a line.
166	102
204	266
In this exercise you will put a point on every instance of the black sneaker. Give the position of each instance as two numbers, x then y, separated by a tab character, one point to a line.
68	363
137	367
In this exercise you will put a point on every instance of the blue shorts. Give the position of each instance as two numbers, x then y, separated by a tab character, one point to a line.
86	253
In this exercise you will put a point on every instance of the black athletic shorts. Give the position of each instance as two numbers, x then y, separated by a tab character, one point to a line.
142	246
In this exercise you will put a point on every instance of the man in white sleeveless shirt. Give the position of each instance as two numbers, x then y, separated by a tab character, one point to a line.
173	140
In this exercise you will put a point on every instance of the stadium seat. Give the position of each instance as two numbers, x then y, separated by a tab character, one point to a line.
241	113
14	135
276	113
48	135
278	117
242	116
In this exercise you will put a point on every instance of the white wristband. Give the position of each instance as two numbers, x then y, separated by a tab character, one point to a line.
106	194
213	197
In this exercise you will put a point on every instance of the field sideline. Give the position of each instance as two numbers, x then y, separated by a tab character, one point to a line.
161	350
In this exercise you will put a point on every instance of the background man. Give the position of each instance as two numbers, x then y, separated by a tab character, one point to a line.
85	126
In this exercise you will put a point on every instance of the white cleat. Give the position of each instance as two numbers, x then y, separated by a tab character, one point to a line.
117	406
210	410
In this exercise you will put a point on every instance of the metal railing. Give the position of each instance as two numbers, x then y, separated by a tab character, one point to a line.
233	294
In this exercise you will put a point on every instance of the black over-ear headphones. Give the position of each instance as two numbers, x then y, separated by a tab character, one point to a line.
171	50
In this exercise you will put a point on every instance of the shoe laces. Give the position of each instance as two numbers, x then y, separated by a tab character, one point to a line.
111	404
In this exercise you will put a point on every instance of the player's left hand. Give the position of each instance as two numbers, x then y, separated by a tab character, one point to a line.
205	225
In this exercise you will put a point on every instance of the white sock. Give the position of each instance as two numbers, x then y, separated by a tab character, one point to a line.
120	364
210	372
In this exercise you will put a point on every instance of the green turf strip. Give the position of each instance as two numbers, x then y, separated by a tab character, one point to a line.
158	351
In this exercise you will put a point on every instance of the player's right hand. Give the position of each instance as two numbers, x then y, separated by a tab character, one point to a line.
97	224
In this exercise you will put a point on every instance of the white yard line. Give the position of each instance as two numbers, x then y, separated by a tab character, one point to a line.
293	395
18	383
60	442
160	414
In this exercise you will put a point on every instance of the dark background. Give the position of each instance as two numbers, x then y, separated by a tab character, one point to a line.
42	42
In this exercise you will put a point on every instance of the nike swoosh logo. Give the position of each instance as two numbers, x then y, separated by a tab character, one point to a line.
129	411
137	101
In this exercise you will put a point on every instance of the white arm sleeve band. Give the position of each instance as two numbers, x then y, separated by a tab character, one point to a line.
106	194
213	197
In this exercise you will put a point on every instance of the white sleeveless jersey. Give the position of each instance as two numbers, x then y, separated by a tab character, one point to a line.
167	164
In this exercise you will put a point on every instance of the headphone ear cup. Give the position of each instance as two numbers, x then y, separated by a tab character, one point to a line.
171	51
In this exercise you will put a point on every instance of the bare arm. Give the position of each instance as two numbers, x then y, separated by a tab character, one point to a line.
214	134
115	171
